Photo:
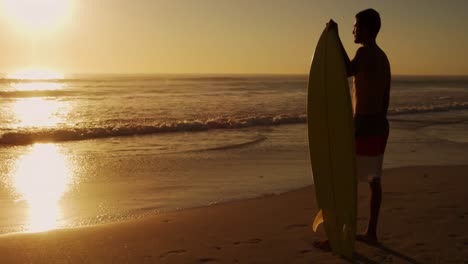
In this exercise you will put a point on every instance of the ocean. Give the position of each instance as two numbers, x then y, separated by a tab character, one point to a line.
93	149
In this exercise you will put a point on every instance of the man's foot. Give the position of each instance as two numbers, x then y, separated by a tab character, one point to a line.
369	239
323	245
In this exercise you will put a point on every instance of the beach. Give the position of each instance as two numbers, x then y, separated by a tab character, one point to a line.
192	132
84	182
423	215
423	220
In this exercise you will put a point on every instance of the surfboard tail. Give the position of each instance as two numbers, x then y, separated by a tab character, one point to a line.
318	220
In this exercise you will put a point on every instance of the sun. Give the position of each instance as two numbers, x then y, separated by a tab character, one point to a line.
37	15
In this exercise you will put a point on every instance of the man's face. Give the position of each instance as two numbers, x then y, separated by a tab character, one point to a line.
357	32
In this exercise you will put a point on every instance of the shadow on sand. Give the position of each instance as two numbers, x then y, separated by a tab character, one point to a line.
359	258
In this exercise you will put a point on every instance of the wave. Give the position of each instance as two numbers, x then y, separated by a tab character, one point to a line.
258	139
121	128
428	108
30	136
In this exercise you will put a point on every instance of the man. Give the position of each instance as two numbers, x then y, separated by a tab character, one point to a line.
370	69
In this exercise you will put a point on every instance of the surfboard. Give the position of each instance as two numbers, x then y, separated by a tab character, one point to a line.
331	144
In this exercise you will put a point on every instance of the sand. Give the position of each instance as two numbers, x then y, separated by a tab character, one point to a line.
423	220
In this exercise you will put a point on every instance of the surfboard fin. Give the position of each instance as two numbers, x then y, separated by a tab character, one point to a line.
318	220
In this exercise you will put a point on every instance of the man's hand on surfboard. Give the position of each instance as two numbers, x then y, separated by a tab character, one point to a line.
331	25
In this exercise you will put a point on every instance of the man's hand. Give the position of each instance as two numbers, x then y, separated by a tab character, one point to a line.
332	25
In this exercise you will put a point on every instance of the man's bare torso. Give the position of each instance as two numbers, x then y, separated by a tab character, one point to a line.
371	84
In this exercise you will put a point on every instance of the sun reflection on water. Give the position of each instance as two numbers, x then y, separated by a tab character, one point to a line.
37	86
41	178
35	74
36	80
39	112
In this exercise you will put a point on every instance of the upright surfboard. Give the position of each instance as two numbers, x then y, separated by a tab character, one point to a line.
331	144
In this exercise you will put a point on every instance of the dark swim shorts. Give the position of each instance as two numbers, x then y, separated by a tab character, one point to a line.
371	134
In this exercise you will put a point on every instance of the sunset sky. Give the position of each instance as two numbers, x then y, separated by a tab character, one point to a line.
222	36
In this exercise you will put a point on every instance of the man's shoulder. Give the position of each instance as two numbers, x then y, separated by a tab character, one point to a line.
366	51
370	52
362	54
365	54
381	51
383	56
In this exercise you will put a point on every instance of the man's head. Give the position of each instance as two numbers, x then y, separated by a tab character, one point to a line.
367	26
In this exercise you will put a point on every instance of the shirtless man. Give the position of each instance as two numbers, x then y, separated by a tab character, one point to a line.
371	92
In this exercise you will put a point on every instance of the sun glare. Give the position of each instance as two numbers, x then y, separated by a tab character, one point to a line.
39	112
36	80
41	178
35	74
37	15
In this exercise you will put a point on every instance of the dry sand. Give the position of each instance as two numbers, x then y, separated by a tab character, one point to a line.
424	219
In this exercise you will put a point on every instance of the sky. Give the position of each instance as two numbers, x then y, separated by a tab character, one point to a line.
223	36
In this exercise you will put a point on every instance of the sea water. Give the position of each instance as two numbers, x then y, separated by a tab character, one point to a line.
98	148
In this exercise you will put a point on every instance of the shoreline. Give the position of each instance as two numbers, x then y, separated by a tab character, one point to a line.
423	220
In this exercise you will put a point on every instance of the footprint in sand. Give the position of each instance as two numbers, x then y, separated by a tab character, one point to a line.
180	251
251	241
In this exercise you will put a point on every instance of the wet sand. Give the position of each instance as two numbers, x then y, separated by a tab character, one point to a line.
423	220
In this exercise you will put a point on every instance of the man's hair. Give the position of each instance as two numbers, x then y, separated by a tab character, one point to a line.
370	19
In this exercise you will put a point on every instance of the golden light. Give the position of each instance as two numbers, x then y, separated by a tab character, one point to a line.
35	74
37	15
39	112
41	177
37	80
37	86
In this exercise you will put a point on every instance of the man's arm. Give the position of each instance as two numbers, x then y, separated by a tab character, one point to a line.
356	65
386	100
351	68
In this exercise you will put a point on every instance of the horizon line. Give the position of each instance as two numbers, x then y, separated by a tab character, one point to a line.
3	74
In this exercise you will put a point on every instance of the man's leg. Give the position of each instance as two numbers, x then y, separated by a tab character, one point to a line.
375	201
370	235
372	168
371	163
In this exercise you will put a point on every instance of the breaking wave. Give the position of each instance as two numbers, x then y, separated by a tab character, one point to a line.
25	136
33	135
428	108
